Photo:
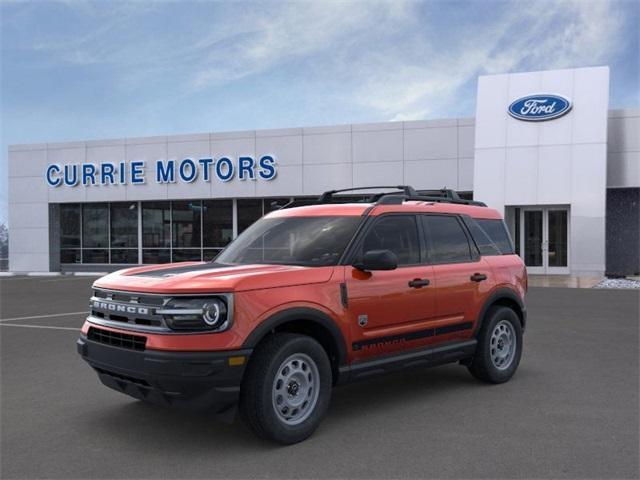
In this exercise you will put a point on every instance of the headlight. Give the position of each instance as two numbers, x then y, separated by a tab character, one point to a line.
214	313
195	314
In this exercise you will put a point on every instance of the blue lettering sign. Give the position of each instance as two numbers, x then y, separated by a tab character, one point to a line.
246	168
123	173
137	173
71	175
206	168
106	174
188	170
224	165
165	174
52	180
267	168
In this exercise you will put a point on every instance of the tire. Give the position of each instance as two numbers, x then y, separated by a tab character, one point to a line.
286	389
500	330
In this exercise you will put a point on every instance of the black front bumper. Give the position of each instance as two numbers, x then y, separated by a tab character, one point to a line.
196	380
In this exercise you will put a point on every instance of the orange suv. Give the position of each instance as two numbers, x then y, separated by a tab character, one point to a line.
311	297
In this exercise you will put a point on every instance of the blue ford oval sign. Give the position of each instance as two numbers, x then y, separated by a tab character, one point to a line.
536	108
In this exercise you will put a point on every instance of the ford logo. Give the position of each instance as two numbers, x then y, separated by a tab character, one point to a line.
536	108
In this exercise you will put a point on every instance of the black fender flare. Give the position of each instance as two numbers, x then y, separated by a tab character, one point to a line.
499	294
296	314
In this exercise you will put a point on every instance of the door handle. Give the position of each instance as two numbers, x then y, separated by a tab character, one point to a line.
419	282
478	277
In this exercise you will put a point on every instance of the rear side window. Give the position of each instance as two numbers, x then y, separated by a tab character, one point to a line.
446	240
398	233
491	236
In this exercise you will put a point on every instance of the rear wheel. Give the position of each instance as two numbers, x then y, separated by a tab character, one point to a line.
286	389
499	346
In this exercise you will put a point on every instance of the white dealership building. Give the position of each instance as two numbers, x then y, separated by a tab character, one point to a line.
544	148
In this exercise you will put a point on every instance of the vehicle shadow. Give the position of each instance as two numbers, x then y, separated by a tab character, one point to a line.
179	431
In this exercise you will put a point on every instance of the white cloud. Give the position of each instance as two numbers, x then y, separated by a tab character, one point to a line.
528	36
385	56
295	30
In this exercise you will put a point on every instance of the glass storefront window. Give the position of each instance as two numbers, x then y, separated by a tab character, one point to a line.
249	210
156	224
124	225
95	225
95	255
217	223
125	255
171	230
156	255
186	224
271	204
186	255
208	254
69	226
70	255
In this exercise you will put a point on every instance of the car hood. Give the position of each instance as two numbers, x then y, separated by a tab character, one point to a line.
205	277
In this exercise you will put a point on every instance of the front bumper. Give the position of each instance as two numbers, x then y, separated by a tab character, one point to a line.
196	380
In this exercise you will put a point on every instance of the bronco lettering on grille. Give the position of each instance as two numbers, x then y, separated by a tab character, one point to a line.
117	307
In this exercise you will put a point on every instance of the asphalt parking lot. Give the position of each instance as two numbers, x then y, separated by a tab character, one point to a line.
571	411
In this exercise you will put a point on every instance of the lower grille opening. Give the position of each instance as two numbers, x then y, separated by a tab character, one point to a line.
117	339
126	378
118	318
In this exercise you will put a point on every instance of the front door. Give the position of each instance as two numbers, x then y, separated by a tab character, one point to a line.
544	241
390	308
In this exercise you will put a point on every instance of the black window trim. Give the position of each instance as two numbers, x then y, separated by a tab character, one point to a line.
473	248
361	233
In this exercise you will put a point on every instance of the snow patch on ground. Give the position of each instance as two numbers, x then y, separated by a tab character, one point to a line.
618	283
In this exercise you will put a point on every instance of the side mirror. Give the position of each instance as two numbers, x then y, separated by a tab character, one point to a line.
377	260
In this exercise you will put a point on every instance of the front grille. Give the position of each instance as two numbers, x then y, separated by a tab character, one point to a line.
129	297
130	309
117	339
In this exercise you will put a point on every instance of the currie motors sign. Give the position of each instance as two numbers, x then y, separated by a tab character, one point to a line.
537	108
223	169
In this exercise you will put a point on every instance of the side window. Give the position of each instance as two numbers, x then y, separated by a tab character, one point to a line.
446	240
485	244
397	233
498	233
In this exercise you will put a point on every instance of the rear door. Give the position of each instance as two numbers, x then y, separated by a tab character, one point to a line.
461	278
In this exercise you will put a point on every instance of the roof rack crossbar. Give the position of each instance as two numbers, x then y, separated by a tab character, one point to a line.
402	193
327	196
395	199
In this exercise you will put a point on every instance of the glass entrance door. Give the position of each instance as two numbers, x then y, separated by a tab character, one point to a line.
544	241
533	239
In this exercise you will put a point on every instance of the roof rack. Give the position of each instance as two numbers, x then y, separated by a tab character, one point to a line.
327	196
405	193
401	193
399	199
444	195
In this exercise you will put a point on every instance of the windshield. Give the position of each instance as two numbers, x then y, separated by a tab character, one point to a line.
309	241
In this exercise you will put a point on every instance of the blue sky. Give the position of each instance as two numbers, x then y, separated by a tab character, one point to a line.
82	70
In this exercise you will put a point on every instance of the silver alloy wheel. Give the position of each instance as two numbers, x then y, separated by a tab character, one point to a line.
503	345
296	389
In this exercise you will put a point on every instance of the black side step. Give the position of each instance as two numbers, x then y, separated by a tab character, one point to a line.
431	356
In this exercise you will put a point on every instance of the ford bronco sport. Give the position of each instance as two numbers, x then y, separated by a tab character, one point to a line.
311	297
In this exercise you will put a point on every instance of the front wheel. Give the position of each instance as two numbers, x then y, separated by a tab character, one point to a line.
286	389
499	346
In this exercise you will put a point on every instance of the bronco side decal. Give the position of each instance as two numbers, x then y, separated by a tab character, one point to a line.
407	337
